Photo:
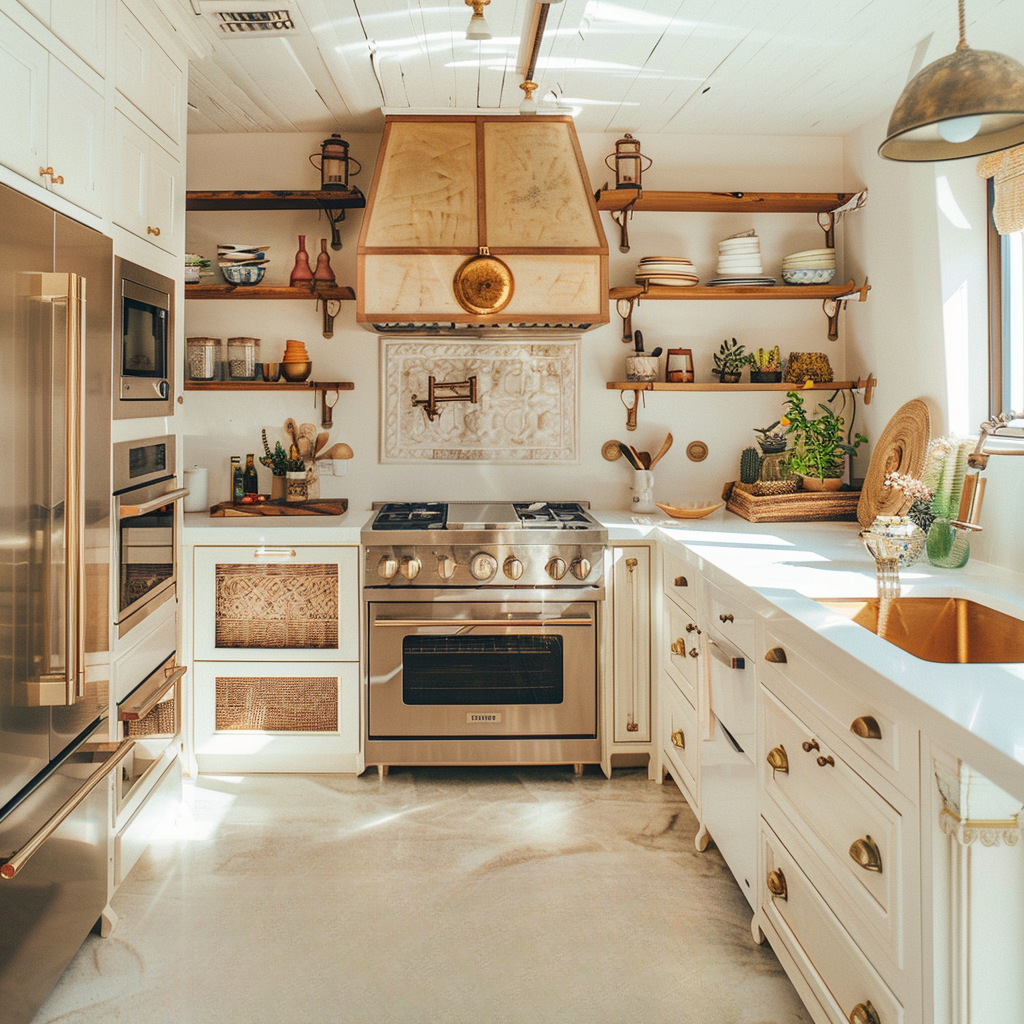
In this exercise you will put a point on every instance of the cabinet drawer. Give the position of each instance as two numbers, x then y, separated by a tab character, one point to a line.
680	582
831	962
860	839
682	648
679	739
728	616
867	731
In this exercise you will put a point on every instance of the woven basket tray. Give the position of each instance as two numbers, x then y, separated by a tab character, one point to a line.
791	508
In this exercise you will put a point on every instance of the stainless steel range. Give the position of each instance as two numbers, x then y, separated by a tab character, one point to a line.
482	633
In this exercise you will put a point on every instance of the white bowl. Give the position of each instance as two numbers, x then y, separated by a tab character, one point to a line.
811	253
808	276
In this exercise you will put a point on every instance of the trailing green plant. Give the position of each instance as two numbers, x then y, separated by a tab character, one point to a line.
729	358
765	362
819	448
771	441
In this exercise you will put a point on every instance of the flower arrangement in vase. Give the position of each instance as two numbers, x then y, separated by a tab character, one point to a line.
820	448
729	361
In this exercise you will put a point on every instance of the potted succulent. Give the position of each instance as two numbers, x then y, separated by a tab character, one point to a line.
771	442
277	462
765	367
729	361
820	450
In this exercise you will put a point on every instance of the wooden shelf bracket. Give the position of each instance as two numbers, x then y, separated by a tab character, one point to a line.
832	307
828	221
622	217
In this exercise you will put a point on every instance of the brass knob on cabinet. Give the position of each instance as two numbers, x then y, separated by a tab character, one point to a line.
693	652
47	172
867	854
691	626
866	727
680	581
726	618
776	655
778	759
809	745
678	739
512	567
387	567
446	566
679	646
864	1013
823	761
152	230
409	567
777	885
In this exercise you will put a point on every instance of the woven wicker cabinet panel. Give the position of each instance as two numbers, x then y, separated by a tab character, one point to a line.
161	721
277	703
277	606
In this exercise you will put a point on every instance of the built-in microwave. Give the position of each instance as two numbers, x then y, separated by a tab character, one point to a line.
143	342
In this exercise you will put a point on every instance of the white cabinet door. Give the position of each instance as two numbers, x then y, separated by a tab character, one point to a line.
23	72
74	138
82	25
165	197
148	77
631	644
146	200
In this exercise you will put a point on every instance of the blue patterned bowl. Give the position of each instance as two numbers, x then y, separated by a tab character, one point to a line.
243	275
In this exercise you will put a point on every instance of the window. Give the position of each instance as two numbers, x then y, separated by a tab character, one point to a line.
1006	321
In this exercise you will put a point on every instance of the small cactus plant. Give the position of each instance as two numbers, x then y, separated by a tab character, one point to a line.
750	466
765	362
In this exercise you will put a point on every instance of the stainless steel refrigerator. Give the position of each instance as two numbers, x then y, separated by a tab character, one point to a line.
56	294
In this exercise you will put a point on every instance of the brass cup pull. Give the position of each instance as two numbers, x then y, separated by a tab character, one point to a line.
778	760
867	854
680	581
726	618
866	727
822	761
678	739
864	1013
152	230
810	745
693	652
678	645
777	885
776	655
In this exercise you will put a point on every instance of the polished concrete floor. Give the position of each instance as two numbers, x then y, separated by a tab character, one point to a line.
449	896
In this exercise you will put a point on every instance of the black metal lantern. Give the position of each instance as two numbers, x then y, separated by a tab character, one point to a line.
334	164
629	162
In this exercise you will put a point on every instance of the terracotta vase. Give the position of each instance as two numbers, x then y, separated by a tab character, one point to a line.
301	274
323	270
829	483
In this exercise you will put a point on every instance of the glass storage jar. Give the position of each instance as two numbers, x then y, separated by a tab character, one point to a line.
201	358
243	357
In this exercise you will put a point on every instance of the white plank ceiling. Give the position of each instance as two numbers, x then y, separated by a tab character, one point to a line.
783	67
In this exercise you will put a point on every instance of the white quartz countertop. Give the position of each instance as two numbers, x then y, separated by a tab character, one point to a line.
974	711
202	529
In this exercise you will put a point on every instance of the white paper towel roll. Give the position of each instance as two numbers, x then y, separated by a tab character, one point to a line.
196	482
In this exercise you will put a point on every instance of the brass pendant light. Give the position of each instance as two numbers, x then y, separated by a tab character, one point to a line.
966	104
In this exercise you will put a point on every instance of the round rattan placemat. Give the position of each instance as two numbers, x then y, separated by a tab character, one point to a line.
901	448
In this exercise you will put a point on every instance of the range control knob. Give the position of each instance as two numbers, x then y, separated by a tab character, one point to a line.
387	567
483	566
446	567
580	568
409	567
556	568
513	568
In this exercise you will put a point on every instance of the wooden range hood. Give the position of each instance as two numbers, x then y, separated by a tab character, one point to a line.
444	188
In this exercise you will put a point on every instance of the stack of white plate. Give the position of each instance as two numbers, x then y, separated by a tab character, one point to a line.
673	271
811	266
236	255
739	261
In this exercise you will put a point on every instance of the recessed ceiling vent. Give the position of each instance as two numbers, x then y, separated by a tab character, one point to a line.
240	21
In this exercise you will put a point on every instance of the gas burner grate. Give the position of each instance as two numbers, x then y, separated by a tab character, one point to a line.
565	515
412	516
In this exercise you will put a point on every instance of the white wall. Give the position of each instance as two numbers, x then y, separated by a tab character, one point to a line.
922	240
218	424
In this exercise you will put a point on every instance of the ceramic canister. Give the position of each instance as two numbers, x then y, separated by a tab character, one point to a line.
196	482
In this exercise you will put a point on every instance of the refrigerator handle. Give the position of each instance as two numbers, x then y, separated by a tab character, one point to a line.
75	496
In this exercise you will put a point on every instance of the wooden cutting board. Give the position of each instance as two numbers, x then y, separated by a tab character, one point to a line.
325	507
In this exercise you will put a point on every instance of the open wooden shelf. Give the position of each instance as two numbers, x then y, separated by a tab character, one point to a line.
259	291
276	199
718	293
721	202
262	385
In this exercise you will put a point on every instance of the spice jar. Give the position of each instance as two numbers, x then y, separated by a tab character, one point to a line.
243	355
201	358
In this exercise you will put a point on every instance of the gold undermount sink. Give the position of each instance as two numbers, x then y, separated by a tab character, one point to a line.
947	629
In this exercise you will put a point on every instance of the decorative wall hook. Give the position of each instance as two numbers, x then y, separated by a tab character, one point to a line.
460	391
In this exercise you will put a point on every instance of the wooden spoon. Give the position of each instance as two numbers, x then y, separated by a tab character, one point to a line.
666	444
321	440
292	431
629	455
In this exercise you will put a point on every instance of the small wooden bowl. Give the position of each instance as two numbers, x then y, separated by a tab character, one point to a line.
689	511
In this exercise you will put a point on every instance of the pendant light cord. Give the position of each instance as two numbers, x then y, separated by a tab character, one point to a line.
962	45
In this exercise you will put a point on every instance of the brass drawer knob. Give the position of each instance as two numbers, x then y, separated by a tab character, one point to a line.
693	652
864	1013
776	655
777	885
726	618
867	854
866	727
691	626
778	760
678	645
680	581
810	745
150	230
823	761
679	739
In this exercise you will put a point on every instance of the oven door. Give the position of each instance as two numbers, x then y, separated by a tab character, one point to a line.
147	566
503	670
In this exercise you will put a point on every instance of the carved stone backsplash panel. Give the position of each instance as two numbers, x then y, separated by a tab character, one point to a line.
528	408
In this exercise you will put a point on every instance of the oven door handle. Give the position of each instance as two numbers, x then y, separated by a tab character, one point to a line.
147	701
585	621
129	511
